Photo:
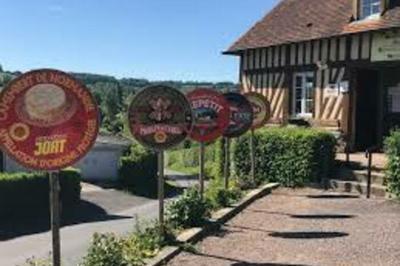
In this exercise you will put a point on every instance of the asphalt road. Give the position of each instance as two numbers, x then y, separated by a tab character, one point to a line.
101	210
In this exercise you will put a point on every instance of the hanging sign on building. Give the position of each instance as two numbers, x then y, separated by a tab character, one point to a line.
241	118
385	46
261	109
48	120
210	114
160	117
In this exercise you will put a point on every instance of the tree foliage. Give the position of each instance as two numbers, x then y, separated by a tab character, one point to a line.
113	95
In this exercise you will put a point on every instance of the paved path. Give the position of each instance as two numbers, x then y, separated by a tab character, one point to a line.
114	211
305	227
101	210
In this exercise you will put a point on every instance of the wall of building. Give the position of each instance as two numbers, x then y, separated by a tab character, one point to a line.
100	164
269	71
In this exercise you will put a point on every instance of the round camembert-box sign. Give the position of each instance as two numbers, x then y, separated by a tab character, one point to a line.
160	117
210	114
261	109
241	115
48	120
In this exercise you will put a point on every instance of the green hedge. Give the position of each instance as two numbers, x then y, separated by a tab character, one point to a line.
138	171
24	194
392	149
290	156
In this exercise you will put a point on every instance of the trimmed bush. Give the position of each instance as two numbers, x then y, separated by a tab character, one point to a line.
138	170
392	149
188	210
25	194
290	156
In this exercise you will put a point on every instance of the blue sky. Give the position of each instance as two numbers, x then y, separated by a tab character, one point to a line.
153	39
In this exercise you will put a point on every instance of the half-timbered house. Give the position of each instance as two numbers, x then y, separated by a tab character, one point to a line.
333	64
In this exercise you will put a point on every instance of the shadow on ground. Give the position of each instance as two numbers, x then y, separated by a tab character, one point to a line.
264	264
333	196
83	212
145	188
306	216
308	235
321	216
236	262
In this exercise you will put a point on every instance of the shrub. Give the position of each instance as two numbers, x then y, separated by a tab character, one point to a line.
132	249
188	210
25	194
291	156
218	196
104	250
392	149
138	170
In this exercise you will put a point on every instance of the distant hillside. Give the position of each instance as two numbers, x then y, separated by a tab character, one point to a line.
131	84
113	95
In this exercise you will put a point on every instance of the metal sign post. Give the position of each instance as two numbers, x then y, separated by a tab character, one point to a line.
226	163
252	158
201	166
55	216
161	191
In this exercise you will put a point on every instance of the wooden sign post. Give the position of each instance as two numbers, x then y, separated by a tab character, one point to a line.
211	117
161	191
252	158
201	168
227	162
55	216
160	118
262	113
241	119
49	121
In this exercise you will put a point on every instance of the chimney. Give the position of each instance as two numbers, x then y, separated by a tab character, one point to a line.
385	5
356	9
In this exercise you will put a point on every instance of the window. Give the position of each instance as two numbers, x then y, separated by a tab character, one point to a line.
303	94
370	8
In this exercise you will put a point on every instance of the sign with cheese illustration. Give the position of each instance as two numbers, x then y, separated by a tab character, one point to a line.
160	117
48	120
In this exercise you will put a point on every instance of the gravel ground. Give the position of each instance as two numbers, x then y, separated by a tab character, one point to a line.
305	227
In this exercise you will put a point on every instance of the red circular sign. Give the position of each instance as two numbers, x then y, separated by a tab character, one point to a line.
48	120
211	114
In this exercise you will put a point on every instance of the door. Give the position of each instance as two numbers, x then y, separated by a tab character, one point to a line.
367	102
303	95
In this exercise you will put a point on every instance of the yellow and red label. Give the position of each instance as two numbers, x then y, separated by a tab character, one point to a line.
48	120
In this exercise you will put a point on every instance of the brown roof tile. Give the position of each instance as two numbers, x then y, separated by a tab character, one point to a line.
301	20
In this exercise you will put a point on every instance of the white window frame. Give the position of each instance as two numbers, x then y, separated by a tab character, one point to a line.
304	76
371	15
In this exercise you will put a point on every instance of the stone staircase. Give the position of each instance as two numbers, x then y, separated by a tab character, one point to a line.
353	176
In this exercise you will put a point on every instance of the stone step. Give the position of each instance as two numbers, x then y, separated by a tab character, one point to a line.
345	173
357	187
